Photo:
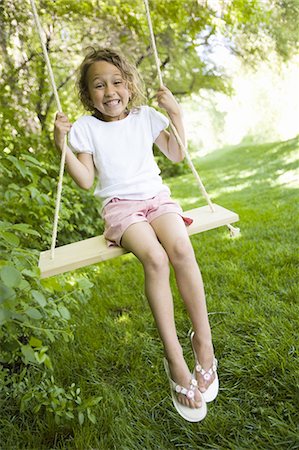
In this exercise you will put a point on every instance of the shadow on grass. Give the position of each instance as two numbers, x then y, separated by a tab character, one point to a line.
246	170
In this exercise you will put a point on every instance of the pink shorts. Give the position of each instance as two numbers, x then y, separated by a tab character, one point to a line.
119	214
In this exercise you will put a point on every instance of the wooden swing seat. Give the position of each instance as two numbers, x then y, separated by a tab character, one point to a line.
93	250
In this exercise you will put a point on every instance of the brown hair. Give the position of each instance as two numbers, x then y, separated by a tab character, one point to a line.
128	71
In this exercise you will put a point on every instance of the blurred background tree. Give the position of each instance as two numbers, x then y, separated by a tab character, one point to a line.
183	28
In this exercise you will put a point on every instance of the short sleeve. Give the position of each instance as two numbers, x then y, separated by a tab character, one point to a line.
79	139
158	122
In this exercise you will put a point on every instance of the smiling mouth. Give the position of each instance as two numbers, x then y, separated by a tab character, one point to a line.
112	102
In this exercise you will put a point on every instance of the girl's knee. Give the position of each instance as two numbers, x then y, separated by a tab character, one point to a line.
156	259
182	251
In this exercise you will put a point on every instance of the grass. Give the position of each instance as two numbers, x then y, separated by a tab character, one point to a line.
252	299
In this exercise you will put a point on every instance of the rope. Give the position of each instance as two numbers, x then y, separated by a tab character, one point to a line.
63	154
172	126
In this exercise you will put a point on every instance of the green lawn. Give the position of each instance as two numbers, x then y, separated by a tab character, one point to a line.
252	299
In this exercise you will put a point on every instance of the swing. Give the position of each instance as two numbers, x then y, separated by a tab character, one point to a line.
93	250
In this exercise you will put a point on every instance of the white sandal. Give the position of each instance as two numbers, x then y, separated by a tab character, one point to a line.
190	414
211	393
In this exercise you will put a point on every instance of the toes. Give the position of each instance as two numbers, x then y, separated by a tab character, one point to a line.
204	385
189	403
198	400
201	385
184	401
196	404
193	404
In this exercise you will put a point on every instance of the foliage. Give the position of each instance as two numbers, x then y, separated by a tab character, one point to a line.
62	403
35	315
32	318
28	191
182	29
169	170
283	26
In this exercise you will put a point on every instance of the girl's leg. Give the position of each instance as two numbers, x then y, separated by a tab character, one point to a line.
141	239
171	232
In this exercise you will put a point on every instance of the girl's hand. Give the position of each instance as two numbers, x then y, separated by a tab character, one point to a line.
61	127
167	101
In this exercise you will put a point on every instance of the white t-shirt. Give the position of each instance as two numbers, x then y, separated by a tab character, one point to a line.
123	153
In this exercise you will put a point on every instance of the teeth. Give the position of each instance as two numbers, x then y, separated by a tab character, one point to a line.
112	102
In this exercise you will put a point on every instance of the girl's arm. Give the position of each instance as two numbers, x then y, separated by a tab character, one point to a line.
166	141
80	168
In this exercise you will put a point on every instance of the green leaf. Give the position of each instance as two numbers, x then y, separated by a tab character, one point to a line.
81	418
48	362
50	335
24	228
33	313
20	165
12	239
24	285
29	273
57	419
25	400
64	312
91	417
40	358
5	315
34	342
83	283
10	276
94	401
31	159
28	354
37	408
4	225
6	293
39	297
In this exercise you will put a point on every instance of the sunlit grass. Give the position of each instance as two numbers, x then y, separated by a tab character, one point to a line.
289	178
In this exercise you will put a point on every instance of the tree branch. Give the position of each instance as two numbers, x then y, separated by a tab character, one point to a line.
142	57
60	86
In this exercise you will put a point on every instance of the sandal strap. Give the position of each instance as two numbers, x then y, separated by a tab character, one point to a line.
189	393
207	373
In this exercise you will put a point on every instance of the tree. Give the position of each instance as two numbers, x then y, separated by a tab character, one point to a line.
181	28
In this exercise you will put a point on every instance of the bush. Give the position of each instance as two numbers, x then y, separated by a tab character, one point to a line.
34	315
32	318
29	184
168	168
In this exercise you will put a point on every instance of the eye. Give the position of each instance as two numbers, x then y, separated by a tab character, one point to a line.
118	82
99	86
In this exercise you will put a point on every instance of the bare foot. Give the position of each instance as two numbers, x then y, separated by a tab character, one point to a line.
181	375
205	358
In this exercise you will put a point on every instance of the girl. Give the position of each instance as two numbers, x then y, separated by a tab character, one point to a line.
116	140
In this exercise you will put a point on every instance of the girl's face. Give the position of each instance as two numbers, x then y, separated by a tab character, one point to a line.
108	90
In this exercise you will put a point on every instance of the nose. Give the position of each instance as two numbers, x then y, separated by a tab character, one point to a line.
109	89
